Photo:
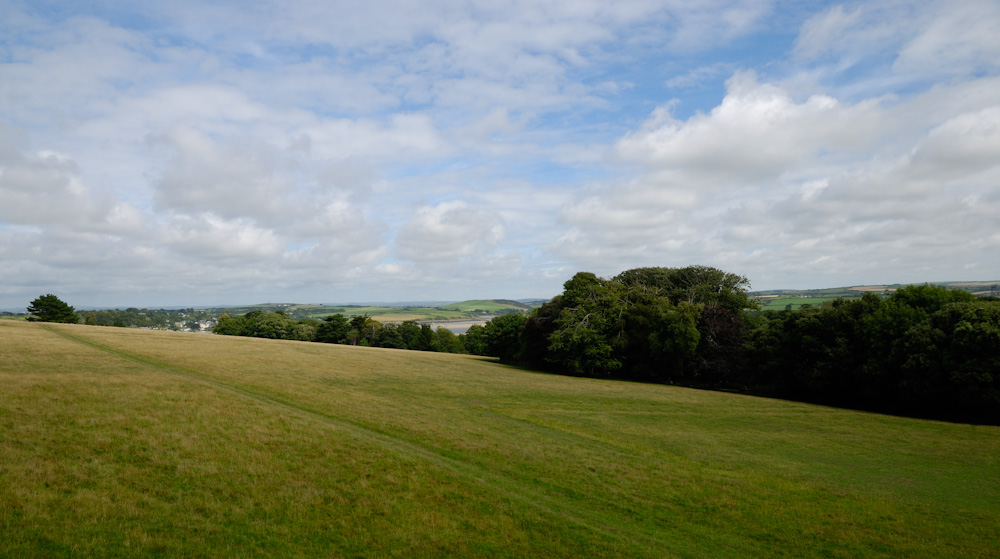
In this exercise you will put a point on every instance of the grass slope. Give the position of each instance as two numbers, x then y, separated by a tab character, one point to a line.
488	306
124	443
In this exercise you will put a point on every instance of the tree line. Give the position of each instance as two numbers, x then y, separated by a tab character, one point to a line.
338	329
924	350
50	308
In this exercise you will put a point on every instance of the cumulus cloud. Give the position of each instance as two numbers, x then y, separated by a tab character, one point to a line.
45	189
458	149
40	189
783	188
447	233
404	136
758	132
208	237
240	179
962	146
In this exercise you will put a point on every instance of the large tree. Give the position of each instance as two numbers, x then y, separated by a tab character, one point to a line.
502	337
333	330
621	328
49	308
693	284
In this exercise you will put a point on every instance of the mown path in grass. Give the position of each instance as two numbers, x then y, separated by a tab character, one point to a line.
518	488
124	443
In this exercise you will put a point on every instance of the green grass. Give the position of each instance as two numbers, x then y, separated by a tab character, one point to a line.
456	311
489	306
390	314
468	310
778	299
125	443
781	303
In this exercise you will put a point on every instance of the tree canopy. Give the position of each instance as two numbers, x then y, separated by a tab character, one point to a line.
925	350
49	308
655	324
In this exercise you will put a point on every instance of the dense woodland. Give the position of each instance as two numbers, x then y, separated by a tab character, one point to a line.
925	350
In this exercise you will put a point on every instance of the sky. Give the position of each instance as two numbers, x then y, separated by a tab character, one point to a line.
194	153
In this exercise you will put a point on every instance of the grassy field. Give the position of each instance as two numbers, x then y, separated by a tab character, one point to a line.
486	306
466	310
392	314
796	302
127	443
780	299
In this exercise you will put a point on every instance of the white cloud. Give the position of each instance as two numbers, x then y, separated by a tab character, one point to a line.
459	148
404	136
40	189
963	146
449	233
697	77
960	38
45	189
893	44
238	179
208	237
721	20
781	189
837	31
757	133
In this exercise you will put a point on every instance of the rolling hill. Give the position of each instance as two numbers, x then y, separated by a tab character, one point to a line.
779	299
123	443
491	306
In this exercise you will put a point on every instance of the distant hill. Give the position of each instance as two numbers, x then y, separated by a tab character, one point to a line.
487	306
478	310
777	299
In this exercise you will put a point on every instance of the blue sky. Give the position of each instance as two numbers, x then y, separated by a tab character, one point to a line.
200	153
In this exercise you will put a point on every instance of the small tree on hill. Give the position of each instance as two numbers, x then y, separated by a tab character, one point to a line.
49	308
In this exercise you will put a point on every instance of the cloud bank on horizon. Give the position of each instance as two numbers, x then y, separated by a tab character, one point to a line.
234	152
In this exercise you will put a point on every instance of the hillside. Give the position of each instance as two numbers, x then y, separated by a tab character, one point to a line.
492	306
465	310
779	299
119	442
